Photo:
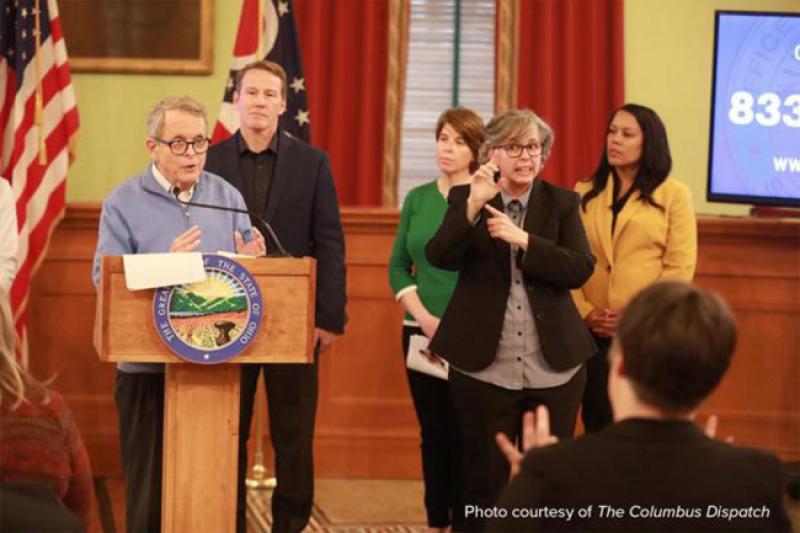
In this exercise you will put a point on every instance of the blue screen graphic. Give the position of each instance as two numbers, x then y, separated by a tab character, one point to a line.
755	117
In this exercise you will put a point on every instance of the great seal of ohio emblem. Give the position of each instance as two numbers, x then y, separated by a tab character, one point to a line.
213	320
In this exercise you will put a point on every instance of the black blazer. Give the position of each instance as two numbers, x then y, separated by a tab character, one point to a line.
303	210
644	463
558	259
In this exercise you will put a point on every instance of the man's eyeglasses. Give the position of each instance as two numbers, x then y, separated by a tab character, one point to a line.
515	150
179	146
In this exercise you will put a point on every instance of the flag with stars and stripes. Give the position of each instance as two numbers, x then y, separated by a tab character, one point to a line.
268	26
39	123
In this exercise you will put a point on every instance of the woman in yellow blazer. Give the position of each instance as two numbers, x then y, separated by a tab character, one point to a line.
641	228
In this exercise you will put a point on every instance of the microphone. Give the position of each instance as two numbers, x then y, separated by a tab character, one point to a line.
265	225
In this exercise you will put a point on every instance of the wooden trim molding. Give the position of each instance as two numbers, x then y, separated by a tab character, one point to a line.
395	93
370	220
507	55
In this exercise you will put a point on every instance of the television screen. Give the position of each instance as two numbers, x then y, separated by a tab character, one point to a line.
754	153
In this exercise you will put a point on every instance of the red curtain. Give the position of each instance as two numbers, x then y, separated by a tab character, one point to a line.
345	52
571	73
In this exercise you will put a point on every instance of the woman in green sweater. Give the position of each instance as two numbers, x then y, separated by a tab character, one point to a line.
424	292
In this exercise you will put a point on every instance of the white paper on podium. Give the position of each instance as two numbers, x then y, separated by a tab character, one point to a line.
148	271
415	360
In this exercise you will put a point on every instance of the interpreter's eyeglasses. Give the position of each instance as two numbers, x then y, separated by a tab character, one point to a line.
515	150
180	146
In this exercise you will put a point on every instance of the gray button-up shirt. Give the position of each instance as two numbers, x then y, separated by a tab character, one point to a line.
520	362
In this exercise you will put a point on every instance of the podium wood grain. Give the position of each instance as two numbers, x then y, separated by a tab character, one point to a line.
201	446
201	408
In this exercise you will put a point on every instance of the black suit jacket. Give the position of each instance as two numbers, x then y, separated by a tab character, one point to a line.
635	464
558	259
303	210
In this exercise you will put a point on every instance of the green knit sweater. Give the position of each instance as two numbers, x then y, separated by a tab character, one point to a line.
423	211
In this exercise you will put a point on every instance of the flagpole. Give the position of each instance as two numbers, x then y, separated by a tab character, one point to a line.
38	105
260	33
258	478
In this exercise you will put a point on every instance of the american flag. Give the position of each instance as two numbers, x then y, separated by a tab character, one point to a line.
39	121
267	30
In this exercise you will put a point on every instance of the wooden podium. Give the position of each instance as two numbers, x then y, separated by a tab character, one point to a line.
201	404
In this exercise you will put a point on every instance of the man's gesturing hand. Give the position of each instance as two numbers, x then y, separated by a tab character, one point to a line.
186	241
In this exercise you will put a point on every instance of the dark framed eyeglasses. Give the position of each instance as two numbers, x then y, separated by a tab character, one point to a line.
515	150
180	146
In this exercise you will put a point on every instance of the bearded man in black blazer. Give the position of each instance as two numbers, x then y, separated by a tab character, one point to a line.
511	332
653	469
289	183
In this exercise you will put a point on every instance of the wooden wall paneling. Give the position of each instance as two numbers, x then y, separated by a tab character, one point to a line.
756	266
366	425
62	306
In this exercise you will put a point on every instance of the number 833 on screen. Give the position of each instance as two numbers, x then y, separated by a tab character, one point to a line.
767	109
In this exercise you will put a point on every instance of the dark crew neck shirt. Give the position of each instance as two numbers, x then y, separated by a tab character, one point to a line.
257	171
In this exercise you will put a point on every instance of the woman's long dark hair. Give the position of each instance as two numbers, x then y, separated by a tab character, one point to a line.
654	165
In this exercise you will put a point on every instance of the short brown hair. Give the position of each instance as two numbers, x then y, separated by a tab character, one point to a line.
469	125
187	104
677	342
514	123
267	66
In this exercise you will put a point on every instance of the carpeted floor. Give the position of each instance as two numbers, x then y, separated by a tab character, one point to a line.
341	506
351	506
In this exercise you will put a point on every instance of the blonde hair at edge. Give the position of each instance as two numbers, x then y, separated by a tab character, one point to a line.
187	104
513	125
15	382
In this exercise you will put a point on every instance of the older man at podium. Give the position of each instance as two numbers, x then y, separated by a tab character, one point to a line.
145	215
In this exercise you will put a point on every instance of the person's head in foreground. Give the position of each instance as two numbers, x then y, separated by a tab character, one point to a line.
673	344
653	469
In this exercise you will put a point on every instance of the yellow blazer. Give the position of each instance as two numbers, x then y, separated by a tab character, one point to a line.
648	244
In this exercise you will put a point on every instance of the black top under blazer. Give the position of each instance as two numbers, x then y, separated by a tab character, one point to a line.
558	259
649	469
303	210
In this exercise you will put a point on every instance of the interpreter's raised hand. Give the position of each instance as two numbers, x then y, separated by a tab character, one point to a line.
187	241
256	247
535	434
500	226
482	188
